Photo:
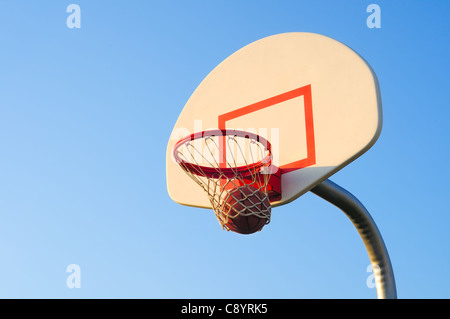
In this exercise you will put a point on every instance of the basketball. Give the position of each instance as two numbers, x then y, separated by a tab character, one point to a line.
246	210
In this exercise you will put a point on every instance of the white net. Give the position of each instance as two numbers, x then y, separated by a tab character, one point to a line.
232	169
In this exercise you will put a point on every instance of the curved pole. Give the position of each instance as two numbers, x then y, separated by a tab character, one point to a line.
358	214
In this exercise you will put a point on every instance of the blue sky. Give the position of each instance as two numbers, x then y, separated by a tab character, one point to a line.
86	114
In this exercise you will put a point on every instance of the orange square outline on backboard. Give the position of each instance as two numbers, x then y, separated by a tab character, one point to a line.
304	91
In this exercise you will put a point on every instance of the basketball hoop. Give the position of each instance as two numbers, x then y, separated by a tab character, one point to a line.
234	169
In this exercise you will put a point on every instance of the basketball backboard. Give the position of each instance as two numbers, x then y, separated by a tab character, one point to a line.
313	98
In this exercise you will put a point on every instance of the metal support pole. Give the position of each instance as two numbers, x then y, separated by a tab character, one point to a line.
360	217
